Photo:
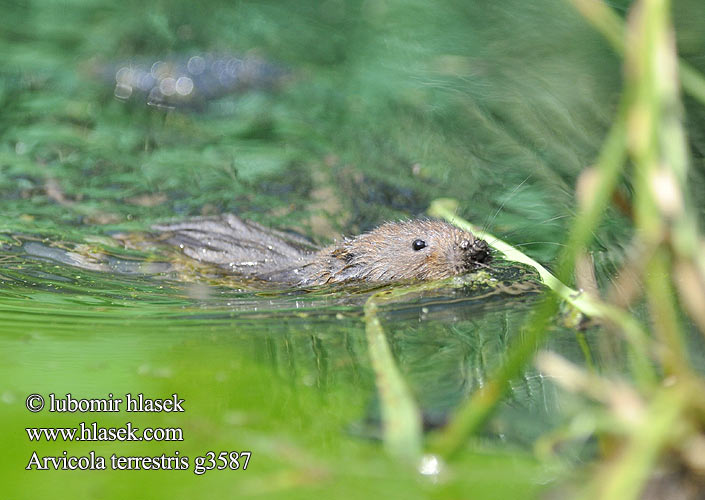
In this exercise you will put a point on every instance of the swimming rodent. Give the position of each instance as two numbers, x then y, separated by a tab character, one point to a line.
395	251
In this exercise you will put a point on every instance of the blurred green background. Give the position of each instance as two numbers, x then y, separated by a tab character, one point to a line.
386	105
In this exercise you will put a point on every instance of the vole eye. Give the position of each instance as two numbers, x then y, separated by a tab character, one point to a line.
418	245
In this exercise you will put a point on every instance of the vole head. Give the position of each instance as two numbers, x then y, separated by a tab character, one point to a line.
417	249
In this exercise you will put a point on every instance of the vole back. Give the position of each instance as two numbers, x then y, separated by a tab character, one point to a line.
240	246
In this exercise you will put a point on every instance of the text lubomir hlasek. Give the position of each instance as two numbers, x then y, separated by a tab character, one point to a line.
129	403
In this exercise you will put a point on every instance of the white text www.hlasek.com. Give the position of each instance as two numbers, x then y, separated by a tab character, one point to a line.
93	432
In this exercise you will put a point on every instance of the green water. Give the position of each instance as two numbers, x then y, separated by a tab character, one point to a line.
385	107
284	375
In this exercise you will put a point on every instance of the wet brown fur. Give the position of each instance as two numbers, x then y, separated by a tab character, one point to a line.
384	254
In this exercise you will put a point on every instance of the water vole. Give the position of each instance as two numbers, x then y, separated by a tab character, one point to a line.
394	251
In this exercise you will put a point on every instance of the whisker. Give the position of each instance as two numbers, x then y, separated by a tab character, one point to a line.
509	197
540	243
551	219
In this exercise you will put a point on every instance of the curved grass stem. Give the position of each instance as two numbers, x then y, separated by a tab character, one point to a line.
471	415
401	421
589	306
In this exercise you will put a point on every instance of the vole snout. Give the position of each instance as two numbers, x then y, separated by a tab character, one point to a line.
479	251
